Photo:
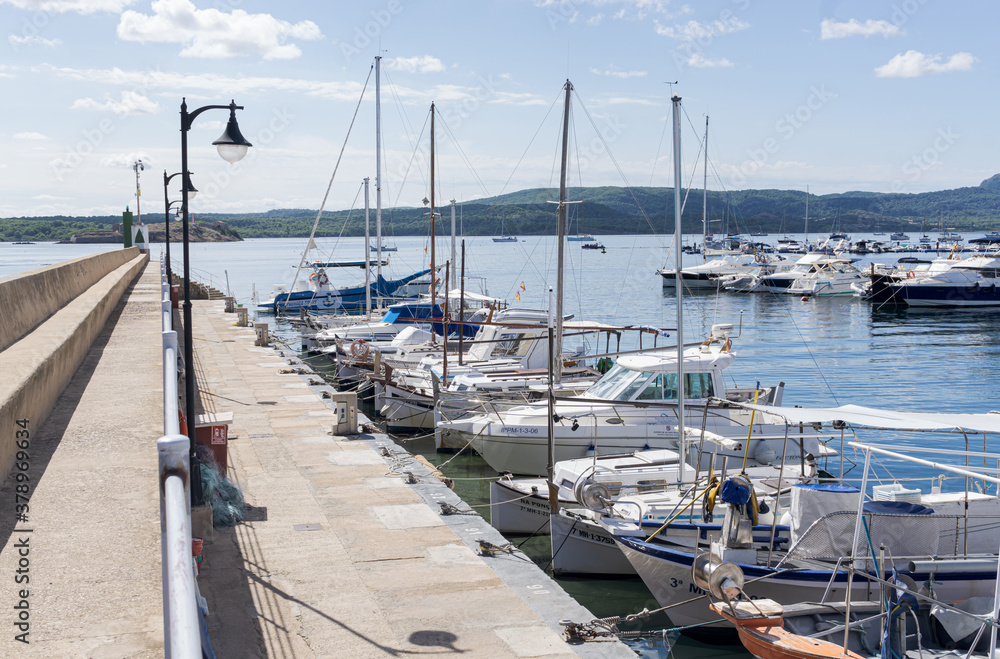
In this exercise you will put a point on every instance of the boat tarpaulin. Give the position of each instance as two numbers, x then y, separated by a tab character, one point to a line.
869	417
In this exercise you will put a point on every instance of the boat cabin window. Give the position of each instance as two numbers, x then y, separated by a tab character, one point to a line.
511	345
664	387
623	384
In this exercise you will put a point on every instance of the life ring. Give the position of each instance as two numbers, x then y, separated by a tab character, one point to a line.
322	279
359	349
911	274
312	277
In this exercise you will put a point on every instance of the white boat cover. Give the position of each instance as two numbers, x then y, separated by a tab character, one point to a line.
869	417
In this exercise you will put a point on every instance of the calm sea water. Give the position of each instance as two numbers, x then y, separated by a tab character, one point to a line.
827	351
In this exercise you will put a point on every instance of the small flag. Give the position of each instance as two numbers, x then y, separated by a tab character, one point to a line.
522	286
425	249
518	296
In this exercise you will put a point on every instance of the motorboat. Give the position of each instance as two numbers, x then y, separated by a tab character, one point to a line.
707	275
633	406
970	282
828	276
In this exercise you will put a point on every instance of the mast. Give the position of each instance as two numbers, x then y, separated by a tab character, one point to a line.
378	179
704	201
368	265
433	270
558	338
454	275
807	219
676	100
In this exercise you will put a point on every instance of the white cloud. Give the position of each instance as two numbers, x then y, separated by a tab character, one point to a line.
63	6
30	136
131	103
699	61
595	20
126	160
913	64
233	86
831	29
614	73
695	31
210	33
416	64
17	41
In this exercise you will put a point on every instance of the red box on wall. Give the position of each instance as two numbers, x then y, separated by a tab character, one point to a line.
212	430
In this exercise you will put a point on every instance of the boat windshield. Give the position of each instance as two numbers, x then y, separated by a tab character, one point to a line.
624	384
614	381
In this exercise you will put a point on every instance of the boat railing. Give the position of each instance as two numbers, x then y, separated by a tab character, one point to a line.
181	632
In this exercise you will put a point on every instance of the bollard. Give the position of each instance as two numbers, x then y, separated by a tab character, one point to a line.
242	316
230	304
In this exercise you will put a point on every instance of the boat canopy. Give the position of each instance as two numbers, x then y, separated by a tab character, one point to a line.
869	417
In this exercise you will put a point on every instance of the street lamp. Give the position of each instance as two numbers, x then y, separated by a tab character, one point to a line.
232	147
167	205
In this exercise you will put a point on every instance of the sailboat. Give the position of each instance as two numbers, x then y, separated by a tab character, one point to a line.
319	294
504	237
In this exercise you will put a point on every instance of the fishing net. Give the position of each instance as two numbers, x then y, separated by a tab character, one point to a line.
226	499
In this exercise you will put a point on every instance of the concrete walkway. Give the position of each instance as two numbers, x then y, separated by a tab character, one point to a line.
93	554
345	560
352	561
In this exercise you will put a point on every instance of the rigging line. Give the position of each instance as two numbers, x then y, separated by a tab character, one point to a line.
462	154
659	148
530	142
329	185
628	186
405	121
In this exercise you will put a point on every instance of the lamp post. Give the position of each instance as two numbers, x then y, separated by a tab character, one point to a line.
232	147
167	205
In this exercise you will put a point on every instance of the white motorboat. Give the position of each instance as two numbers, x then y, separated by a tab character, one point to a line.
829	276
708	274
633	406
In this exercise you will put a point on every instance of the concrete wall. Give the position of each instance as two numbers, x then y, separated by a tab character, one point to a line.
29	298
37	368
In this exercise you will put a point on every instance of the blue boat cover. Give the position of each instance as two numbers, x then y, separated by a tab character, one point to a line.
897	508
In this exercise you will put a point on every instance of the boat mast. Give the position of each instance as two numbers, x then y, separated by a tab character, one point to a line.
807	219
558	338
704	201
433	270
378	179
454	274
368	265
680	309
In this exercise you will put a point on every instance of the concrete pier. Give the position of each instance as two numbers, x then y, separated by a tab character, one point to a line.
341	556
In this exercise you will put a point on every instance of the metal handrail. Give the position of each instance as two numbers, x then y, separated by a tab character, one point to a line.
181	631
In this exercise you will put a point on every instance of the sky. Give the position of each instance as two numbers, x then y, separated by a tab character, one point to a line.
896	96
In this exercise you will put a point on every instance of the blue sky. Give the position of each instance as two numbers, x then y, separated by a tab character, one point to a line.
881	96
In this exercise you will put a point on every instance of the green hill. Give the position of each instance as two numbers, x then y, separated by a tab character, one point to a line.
610	210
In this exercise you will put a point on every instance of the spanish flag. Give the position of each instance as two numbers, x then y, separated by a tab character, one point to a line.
522	286
518	297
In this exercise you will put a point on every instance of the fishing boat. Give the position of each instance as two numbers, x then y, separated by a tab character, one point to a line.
384	247
898	236
946	539
594	245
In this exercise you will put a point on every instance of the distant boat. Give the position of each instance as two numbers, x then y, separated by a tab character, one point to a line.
23	242
899	235
504	237
385	248
580	237
592	246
